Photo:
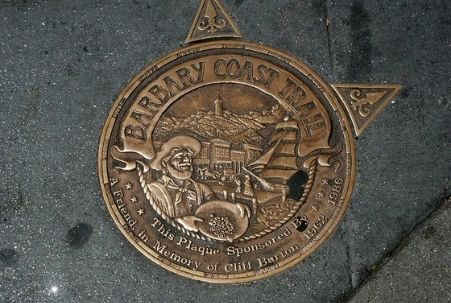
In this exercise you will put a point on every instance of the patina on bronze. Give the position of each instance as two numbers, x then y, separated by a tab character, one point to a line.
228	161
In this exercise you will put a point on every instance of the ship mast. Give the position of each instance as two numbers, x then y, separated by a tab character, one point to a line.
279	164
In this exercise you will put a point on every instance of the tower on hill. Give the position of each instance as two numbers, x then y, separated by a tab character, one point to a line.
219	112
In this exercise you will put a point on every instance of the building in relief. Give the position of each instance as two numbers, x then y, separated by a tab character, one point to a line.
220	157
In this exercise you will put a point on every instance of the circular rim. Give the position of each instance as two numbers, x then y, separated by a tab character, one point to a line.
249	276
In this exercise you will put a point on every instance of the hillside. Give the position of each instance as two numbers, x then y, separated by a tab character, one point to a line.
231	127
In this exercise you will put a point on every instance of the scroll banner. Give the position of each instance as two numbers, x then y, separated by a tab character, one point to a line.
292	94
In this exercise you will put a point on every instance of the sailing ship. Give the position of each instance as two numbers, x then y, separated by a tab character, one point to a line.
279	164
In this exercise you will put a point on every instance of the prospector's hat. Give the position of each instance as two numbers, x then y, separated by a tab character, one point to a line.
176	142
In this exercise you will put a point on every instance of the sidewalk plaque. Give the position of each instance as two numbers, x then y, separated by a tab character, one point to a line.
227	161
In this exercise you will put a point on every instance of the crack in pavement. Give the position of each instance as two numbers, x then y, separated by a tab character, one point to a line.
329	37
445	202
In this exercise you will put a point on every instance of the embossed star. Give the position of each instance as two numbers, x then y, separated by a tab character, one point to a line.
315	207
321	194
128	186
134	199
141	212
325	181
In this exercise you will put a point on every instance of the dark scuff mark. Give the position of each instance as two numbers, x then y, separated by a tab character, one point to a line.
13	3
359	68
321	10
429	232
11	202
303	224
329	37
405	93
79	235
296	185
8	257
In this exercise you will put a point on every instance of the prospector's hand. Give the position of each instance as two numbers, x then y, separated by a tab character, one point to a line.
189	223
244	210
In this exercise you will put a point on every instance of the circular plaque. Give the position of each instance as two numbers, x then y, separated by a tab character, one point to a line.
227	161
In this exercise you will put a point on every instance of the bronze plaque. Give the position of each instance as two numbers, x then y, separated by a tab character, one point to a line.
227	161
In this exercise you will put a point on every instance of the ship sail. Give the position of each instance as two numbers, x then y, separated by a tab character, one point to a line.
276	175
287	149
279	164
283	162
263	161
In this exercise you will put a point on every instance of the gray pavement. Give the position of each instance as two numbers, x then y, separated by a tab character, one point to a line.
62	64
419	271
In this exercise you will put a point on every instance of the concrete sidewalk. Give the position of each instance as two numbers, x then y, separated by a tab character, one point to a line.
418	270
62	63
